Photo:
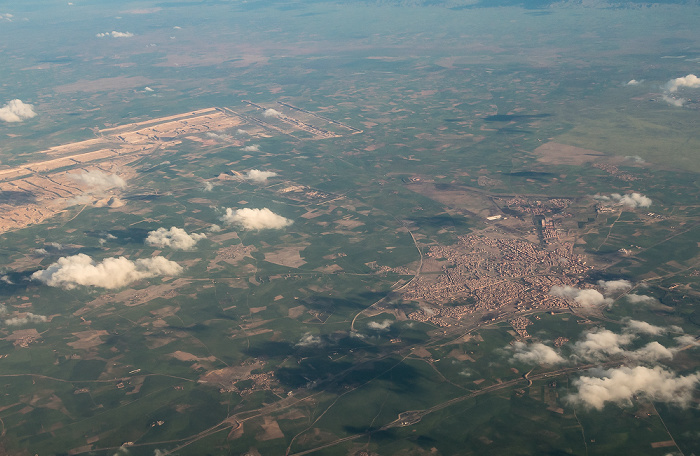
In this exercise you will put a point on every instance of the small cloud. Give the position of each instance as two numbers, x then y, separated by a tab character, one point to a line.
584	298
214	229
677	102
240	131
651	352
272	113
148	89
309	340
259	176
175	238
16	111
634	82
251	148
177	27
642	327
631	200
98	180
689	81
635	158
26	319
383	326
208	186
537	353
70	272
220	136
6	279
620	385
255	219
614	286
115	34
640	299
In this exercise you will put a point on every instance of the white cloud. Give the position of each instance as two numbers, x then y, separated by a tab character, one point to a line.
251	148
584	298
642	327
240	131
3	309
383	326
80	269
620	385
208	186
27	318
632	200
6	279
220	136
255	219
690	81
214	229
537	353
677	102
614	286
16	111
99	180
259	176
634	82
175	238
640	299
599	344
651	352
686	340
309	340
148	89
115	34
272	113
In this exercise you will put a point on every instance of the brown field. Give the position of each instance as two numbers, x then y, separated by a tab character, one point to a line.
553	153
287	256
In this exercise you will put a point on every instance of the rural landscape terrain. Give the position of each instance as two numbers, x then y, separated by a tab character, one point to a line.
349	228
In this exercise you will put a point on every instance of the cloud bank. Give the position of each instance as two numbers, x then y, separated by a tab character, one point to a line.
255	219
620	385
99	180
16	111
256	175
175	238
70	272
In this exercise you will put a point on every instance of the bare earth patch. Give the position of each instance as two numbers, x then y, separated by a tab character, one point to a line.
554	153
287	256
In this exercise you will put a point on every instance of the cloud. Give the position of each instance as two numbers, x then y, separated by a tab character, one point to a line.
383	326
6	17
208	186
599	344
642	327
651	352
220	136
251	148
621	384
115	34
686	340
214	229
3	309
70	272
259	176
16	111
309	340
537	353
690	81
241	131
634	82
255	219
614	286
272	113
6	279
148	89
99	180
27	318
584	298
632	200
677	102
640	299
175	238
